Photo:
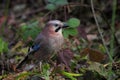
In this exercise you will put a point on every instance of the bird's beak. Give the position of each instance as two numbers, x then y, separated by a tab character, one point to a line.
65	25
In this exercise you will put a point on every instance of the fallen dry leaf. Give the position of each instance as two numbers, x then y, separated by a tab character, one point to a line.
94	55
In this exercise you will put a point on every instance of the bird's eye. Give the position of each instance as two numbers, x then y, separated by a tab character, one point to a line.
56	25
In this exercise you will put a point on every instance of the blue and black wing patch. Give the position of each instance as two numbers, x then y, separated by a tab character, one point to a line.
31	51
36	47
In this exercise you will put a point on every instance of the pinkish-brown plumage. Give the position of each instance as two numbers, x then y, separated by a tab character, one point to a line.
50	40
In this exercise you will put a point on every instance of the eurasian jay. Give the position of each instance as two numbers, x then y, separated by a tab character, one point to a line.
47	42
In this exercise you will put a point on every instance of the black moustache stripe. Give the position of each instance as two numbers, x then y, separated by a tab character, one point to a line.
57	29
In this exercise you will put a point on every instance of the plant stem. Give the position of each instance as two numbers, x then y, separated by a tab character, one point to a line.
113	27
100	32
6	14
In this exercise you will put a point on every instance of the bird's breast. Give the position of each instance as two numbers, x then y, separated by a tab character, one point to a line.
56	42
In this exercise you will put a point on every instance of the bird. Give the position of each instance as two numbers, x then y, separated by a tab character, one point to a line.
49	40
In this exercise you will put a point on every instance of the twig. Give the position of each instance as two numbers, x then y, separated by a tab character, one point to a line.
100	32
65	13
46	14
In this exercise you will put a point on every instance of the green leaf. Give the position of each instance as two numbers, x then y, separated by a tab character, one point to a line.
45	71
3	46
30	30
58	2
53	4
51	1
24	27
102	48
24	75
30	33
51	7
73	22
70	31
71	75
65	33
61	2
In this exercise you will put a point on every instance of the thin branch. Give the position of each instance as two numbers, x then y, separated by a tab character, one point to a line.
100	32
46	14
65	13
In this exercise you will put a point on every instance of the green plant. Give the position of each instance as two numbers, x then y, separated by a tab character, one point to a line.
72	30
112	42
45	71
29	30
54	4
71	76
3	46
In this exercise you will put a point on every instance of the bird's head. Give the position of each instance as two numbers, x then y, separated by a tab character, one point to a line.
56	26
